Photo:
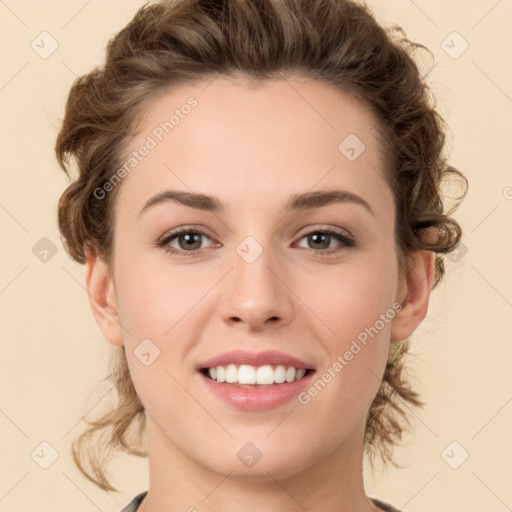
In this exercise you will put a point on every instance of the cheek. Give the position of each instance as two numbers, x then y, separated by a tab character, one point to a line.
357	308
351	298
161	309
357	350
154	297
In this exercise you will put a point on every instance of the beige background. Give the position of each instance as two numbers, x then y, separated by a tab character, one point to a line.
52	351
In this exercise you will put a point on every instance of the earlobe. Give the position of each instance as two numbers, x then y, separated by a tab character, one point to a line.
417	285
100	288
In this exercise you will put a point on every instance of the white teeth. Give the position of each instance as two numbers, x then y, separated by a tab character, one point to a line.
221	374
300	373
265	375
231	373
280	374
246	374
261	375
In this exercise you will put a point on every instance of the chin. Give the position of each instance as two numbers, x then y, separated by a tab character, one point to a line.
265	465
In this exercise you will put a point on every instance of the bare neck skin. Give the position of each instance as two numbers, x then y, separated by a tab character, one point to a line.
333	483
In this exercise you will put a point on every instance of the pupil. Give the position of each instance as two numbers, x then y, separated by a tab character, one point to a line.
315	235
189	237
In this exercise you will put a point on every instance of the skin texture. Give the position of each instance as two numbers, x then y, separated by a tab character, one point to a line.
252	147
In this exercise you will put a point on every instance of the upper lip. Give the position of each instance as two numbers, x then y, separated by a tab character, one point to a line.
271	357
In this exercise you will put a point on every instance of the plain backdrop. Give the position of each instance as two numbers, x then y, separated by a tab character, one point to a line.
456	457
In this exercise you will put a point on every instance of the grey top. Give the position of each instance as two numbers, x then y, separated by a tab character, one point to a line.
134	504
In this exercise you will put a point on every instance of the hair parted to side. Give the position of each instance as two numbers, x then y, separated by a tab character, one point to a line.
174	42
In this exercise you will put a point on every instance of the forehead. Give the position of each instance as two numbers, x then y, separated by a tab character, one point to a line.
259	140
297	107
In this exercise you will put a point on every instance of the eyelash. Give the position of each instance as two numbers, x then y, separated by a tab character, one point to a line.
163	243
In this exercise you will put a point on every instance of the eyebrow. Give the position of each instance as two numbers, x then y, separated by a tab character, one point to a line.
296	202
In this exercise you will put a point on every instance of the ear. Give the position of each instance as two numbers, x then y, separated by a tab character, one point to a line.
100	288
414	293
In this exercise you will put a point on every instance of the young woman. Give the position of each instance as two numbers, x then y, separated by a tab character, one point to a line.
217	146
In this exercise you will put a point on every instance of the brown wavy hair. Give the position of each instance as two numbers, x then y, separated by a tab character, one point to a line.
176	42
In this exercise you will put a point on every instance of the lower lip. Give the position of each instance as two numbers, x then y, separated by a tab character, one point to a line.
253	398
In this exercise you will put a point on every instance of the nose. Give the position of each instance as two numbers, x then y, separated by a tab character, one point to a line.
255	295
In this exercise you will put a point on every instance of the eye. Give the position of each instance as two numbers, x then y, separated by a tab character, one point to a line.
322	239
189	239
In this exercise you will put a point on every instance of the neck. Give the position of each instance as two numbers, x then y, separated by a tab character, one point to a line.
334	482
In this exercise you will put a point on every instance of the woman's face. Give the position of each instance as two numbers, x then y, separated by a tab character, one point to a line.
258	273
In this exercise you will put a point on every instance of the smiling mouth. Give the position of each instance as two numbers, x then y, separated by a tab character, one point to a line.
245	375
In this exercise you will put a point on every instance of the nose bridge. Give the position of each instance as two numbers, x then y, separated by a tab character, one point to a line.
255	294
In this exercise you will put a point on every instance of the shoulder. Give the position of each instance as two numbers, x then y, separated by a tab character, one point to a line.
134	503
384	506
